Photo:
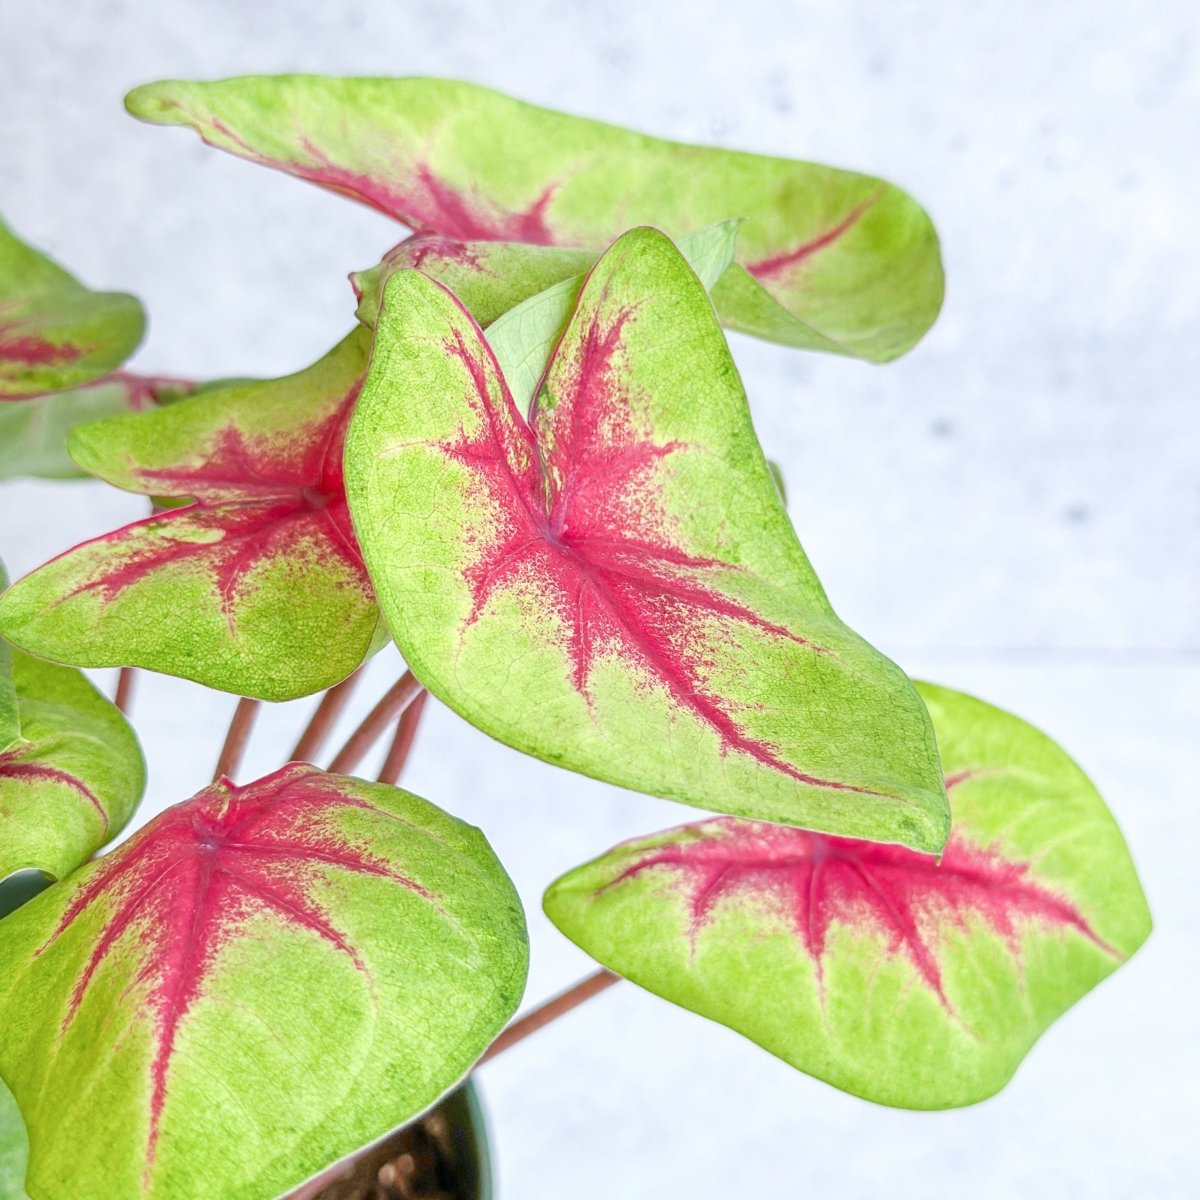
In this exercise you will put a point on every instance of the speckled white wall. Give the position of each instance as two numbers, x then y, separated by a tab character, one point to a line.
1014	508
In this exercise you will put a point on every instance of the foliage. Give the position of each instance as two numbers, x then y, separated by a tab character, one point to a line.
531	463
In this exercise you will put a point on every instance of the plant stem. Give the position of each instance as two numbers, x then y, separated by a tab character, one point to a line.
406	730
397	698
236	738
323	718
554	1008
124	692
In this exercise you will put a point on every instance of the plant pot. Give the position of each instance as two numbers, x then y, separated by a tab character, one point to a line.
443	1155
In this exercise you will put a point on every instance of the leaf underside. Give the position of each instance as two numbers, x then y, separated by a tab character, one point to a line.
262	980
828	259
14	1148
257	585
898	977
54	332
33	435
556	582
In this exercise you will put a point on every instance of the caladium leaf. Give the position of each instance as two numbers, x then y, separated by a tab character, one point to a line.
898	977
54	332
830	259
33	435
14	1148
69	783
257	587
614	586
260	981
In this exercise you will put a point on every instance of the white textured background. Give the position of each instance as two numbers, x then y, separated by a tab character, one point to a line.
1013	509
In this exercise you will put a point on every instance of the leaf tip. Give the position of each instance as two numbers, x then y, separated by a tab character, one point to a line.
156	103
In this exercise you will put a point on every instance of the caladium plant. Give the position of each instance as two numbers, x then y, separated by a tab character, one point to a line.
532	465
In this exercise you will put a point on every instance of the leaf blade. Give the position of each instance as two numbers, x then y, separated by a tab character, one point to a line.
879	971
176	977
238	588
850	262
501	595
54	332
72	782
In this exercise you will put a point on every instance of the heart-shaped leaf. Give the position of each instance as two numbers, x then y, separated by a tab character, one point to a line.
33	435
830	260
68	784
257	587
260	981
54	332
14	1148
895	976
615	587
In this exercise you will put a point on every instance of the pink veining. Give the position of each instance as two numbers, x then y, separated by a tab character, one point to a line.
187	885
266	497
426	203
579	514
32	351
37	772
777	264
819	882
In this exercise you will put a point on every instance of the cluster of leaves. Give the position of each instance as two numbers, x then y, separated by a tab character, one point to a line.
532	465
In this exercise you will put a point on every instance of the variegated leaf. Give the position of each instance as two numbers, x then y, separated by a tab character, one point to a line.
909	980
68	784
829	259
257	586
260	981
614	586
54	332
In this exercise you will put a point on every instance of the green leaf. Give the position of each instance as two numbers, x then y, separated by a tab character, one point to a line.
903	979
524	337
33	435
54	332
69	785
14	1148
829	259
615	586
256	587
262	980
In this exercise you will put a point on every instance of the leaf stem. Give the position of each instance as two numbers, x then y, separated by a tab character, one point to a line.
323	718
401	747
237	737
553	1008
124	693
395	700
